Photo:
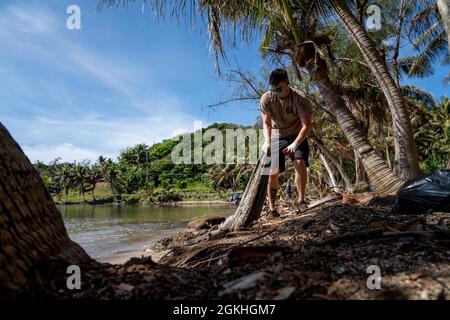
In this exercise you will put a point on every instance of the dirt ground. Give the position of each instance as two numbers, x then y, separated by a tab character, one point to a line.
332	251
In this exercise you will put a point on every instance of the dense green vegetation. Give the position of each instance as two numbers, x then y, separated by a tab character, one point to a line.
146	174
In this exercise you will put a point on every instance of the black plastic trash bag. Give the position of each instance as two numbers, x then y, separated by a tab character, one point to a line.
427	192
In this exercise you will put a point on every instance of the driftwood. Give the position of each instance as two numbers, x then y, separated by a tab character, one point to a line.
250	207
190	257
314	204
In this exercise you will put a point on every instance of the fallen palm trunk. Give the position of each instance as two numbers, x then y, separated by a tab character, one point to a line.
253	199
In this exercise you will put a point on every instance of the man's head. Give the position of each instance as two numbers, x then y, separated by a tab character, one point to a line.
279	83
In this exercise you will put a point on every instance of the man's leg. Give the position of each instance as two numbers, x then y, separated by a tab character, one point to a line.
272	188
300	178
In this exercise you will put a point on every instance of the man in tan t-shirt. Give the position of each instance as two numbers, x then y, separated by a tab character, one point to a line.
287	110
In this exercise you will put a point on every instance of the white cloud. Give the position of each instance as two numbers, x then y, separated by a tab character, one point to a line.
93	135
66	151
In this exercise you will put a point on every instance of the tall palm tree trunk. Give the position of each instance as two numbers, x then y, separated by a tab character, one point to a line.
34	245
361	177
444	11
93	195
385	181
82	192
66	193
406	157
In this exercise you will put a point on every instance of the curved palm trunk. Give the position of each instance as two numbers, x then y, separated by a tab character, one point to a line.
333	182
35	249
360	109
361	176
327	154
406	157
385	181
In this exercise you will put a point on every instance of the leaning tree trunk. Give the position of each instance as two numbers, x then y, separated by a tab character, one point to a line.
333	182
34	246
361	111
444	11
252	201
385	181
327	154
406	157
361	178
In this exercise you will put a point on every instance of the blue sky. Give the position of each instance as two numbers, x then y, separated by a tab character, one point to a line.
122	79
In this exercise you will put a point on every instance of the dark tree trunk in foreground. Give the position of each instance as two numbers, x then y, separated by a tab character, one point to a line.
252	202
33	239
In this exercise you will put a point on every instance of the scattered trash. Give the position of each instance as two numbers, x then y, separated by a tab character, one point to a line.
429	192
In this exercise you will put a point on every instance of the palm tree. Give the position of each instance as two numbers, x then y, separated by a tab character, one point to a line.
80	177
93	177
309	55
64	177
406	157
108	172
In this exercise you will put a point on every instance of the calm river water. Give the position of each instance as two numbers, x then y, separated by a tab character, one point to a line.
114	233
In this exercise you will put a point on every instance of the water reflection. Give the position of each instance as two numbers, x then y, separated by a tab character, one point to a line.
105	229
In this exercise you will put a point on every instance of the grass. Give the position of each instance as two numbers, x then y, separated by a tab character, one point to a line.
103	193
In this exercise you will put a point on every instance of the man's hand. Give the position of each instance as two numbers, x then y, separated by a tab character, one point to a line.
291	148
266	148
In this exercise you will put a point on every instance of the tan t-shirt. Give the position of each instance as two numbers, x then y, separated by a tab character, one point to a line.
286	113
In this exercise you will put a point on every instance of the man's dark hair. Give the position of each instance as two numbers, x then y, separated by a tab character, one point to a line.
277	76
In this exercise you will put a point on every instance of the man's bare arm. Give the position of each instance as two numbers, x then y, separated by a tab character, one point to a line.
306	127
267	126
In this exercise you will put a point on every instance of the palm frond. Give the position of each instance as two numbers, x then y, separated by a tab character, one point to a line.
422	69
435	49
419	95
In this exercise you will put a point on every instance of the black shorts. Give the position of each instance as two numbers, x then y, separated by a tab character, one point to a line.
277	147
